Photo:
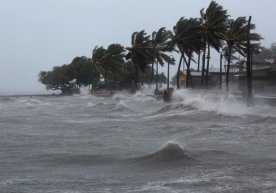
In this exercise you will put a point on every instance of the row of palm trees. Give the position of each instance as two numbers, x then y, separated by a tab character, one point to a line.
189	37
145	51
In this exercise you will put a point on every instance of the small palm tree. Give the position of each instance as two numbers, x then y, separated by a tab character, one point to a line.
110	59
236	40
160	44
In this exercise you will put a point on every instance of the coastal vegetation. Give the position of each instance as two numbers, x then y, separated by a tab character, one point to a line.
117	67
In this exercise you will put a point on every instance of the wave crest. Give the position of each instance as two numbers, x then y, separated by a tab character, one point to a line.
121	106
177	107
169	153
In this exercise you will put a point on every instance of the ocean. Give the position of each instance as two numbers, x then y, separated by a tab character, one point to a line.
200	142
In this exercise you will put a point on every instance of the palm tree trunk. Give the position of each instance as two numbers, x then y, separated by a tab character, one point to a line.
203	67
207	68
185	62
251	62
198	62
105	78
92	80
189	77
220	72
132	90
136	78
168	80
228	67
152	74
135	81
124	78
178	72
248	67
156	78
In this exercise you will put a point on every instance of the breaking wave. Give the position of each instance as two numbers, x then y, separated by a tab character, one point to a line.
143	97
119	96
177	107
31	102
101	104
170	153
173	109
221	103
121	106
90	104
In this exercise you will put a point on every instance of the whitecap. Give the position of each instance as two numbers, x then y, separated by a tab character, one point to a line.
220	103
90	104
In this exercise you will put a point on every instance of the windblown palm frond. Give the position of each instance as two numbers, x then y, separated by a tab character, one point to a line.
97	59
236	36
140	53
114	57
188	35
160	44
110	59
214	22
236	39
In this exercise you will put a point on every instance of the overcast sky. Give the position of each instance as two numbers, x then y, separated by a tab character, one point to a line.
36	35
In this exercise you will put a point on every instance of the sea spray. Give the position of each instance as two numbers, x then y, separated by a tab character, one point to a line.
220	103
121	105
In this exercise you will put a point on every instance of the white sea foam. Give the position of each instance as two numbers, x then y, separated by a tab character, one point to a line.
31	102
121	105
121	95
90	104
155	187
6	182
221	103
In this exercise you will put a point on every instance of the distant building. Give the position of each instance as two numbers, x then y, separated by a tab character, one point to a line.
182	79
214	77
263	77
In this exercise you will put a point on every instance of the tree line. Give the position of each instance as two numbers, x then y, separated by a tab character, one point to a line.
118	67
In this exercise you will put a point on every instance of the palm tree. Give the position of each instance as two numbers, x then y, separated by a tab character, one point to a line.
113	60
110	59
160	44
187	37
236	39
214	22
140	54
97	60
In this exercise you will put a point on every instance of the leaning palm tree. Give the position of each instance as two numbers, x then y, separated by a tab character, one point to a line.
236	40
187	37
160	44
140	54
97	62
113	60
182	33
214	21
